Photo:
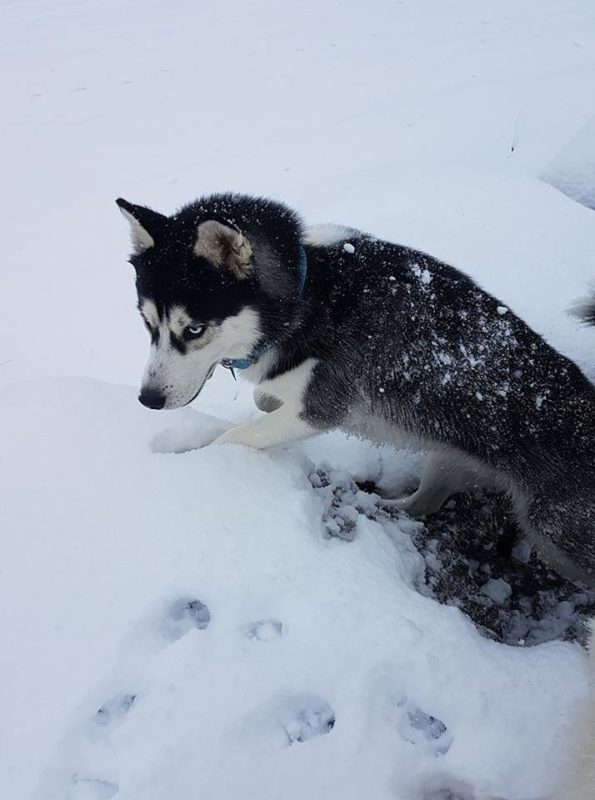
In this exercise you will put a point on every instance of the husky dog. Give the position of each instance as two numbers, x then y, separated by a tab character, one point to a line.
338	329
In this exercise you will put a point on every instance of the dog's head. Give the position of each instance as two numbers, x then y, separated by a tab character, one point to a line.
204	285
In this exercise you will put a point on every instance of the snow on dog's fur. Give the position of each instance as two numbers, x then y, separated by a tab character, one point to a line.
382	341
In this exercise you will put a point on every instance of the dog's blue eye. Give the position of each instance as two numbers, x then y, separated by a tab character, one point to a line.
194	331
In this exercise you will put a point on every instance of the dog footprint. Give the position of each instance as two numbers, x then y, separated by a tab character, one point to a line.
344	502
305	717
91	789
420	728
184	615
94	734
443	793
264	630
115	709
445	787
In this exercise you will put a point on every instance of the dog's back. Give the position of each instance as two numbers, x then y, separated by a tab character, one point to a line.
434	357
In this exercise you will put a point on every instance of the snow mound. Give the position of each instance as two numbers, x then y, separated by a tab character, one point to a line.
183	625
572	170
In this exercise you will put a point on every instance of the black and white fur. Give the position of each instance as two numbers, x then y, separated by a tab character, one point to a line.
384	341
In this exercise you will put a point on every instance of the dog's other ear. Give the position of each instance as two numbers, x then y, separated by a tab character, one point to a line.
145	224
225	247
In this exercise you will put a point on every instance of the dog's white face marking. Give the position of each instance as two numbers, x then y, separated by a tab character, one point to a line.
178	367
148	311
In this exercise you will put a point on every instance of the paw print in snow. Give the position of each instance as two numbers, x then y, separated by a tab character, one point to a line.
445	787
91	789
115	709
344	502
423	729
265	630
183	616
305	717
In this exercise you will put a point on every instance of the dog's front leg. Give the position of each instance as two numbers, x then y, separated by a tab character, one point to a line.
279	427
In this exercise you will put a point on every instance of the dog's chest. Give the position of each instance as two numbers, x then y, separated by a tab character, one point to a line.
289	387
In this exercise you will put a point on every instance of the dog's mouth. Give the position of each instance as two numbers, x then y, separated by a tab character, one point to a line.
208	376
157	401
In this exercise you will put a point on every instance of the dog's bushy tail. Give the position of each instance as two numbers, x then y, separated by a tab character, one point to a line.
585	308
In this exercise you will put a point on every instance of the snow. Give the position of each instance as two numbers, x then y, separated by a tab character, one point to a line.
572	170
181	624
116	542
497	589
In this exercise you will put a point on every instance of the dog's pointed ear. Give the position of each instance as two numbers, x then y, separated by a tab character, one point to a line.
145	224
225	247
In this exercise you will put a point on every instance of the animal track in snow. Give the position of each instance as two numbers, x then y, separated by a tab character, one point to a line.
443	793
115	709
91	789
420	728
470	548
264	630
184	615
344	502
445	787
304	717
292	719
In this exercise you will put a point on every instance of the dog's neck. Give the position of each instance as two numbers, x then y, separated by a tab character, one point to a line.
260	349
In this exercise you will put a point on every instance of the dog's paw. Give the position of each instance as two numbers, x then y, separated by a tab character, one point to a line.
182	438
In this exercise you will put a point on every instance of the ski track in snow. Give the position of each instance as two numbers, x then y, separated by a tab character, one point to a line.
222	623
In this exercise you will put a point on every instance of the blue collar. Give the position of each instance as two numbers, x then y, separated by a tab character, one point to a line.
258	352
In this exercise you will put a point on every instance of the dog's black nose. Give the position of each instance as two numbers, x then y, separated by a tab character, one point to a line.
151	398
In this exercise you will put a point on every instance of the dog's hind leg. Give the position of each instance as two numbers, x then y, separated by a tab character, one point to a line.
446	472
563	530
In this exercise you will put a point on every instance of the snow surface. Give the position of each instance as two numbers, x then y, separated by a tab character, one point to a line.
573	169
180	625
